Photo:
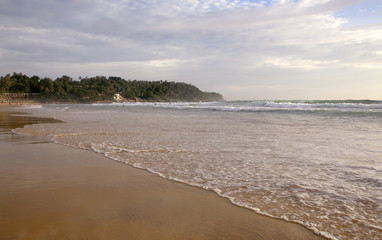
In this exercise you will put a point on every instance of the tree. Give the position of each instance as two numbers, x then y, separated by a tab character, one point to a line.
19	83
46	87
34	84
5	83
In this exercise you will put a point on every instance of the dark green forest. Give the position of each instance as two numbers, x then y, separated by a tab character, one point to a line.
102	89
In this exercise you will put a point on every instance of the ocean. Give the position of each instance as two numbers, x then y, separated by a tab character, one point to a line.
315	163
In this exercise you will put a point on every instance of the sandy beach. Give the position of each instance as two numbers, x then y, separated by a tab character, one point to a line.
50	191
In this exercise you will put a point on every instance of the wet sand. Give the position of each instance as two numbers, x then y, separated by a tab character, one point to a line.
49	191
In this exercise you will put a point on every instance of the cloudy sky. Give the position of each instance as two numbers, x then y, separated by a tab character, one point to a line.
244	49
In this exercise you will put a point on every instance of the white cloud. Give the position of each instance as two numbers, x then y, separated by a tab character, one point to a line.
293	63
164	63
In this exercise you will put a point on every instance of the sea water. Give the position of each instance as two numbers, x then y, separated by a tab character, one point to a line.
316	163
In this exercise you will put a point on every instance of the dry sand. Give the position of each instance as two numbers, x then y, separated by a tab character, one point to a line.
49	191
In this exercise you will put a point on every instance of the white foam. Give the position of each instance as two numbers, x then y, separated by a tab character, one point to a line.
32	106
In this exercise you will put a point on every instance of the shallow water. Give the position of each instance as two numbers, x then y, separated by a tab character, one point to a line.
316	163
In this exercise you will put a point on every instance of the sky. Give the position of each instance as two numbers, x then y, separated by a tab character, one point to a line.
243	49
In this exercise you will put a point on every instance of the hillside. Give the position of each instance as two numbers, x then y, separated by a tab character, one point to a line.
102	89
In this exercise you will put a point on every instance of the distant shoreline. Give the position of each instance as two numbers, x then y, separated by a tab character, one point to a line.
98	89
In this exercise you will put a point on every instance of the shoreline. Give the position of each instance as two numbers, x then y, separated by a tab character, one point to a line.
54	191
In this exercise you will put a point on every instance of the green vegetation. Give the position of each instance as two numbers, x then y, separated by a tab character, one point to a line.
102	89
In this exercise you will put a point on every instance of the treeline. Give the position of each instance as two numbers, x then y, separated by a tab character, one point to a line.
100	88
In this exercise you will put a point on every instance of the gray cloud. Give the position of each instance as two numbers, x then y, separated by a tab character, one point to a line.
217	44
